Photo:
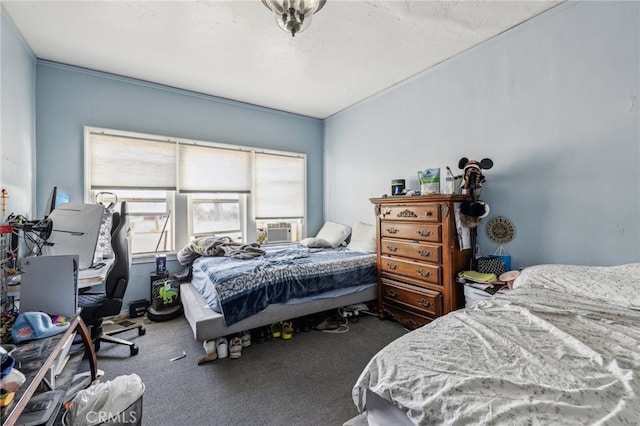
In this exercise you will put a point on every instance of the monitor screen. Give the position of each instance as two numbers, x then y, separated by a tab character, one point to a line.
75	229
57	197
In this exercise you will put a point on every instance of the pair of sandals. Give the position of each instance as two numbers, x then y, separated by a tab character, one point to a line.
282	329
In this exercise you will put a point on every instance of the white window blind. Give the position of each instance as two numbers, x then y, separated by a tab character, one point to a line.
131	163
213	169
279	186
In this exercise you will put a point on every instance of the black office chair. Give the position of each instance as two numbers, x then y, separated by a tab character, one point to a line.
96	306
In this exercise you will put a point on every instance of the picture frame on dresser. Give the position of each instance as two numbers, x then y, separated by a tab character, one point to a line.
418	257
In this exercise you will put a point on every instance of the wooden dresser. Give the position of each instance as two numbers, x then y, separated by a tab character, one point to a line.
418	258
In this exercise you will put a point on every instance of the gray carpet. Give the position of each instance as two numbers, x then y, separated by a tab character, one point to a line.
303	381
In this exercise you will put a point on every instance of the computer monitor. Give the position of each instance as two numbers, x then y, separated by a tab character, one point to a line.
57	197
75	230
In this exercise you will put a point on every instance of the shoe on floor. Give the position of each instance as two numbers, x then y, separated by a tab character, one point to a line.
206	358
222	347
209	347
327	324
246	338
287	330
235	348
276	329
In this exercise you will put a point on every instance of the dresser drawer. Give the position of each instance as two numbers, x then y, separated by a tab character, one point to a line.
418	251
408	268
411	231
424	213
424	301
407	318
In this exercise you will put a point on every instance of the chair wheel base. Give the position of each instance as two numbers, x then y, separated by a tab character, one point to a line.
133	350
142	331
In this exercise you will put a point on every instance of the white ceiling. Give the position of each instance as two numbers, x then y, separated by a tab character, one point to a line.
235	50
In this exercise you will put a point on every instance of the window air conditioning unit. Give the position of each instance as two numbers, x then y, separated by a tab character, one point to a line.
278	233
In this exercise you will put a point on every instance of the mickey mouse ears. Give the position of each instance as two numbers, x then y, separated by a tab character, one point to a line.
484	164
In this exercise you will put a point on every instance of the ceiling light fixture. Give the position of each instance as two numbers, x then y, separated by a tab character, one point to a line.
294	16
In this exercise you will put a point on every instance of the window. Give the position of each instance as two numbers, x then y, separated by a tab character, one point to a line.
217	214
177	190
150	220
279	186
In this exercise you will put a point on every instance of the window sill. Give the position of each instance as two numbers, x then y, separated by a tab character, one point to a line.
139	259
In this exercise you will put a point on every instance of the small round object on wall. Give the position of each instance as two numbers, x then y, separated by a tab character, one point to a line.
500	230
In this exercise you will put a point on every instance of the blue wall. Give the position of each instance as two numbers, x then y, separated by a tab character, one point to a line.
554	102
17	119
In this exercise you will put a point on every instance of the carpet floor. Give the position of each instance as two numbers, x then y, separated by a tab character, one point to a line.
303	381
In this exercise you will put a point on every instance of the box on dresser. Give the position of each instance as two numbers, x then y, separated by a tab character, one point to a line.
418	257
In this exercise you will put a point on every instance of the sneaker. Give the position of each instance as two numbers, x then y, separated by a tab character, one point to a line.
222	347
327	324
235	346
246	338
209	347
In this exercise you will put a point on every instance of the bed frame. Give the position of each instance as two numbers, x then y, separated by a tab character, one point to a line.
208	324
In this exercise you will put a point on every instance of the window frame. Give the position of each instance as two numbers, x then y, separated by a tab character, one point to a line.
196	198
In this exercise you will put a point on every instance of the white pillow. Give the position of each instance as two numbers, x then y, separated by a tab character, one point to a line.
315	243
363	238
334	233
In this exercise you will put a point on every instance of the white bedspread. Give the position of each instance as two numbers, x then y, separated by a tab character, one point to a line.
543	354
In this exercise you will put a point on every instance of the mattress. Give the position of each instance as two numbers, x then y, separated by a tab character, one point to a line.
562	348
240	288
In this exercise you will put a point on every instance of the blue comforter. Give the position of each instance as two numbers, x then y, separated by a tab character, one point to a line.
242	288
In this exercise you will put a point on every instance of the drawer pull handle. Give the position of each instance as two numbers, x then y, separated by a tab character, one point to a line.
424	303
391	293
407	213
424	253
392	248
392	265
423	273
393	230
428	213
424	233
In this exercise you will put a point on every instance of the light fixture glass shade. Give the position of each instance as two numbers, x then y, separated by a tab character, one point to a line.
294	16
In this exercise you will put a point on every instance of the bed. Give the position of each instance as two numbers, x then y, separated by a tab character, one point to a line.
563	347
227	295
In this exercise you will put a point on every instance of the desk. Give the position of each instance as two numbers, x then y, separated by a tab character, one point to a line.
35	376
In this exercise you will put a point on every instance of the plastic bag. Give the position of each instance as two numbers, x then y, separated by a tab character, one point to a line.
429	180
101	402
